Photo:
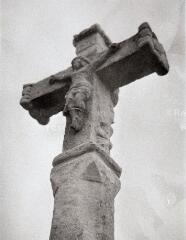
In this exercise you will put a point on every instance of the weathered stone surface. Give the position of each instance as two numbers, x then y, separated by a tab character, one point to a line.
84	148
137	57
84	188
92	173
45	98
91	41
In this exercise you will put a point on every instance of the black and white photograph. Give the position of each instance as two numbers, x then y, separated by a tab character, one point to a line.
93	120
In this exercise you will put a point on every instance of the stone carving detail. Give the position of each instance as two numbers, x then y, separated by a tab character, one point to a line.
26	95
45	98
91	30
76	103
81	87
79	62
78	95
92	173
40	114
104	131
147	37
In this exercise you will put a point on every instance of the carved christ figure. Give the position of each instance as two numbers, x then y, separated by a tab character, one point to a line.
77	96
81	86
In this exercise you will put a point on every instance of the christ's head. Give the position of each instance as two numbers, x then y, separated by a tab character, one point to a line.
79	62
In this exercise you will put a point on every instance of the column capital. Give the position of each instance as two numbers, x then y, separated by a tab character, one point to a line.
84	148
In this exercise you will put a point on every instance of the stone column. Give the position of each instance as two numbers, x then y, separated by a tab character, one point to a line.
85	181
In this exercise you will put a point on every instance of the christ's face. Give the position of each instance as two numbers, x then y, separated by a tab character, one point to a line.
78	63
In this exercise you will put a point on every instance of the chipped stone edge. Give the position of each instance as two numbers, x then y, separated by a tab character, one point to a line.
85	148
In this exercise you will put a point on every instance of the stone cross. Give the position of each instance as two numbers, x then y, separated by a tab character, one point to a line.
85	179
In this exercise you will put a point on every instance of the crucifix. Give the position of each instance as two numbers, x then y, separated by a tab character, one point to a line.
84	178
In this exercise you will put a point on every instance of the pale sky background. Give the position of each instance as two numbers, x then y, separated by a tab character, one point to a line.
150	119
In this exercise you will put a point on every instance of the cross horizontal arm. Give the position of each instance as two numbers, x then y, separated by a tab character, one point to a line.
137	57
120	64
44	98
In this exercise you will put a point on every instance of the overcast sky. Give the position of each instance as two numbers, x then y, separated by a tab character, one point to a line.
150	119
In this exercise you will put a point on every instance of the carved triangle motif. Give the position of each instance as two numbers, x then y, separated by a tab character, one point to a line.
92	173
